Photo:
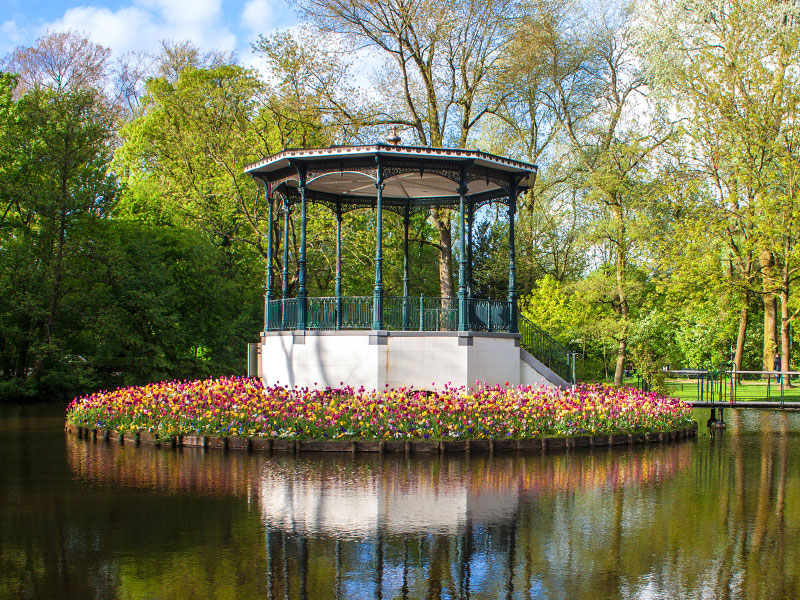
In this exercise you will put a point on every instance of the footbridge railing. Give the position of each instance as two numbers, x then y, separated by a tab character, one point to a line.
730	387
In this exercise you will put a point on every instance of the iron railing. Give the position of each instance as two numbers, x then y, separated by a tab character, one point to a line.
728	385
489	315
399	314
282	314
545	349
352	312
420	314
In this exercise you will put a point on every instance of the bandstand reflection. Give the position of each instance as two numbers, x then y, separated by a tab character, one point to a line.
479	526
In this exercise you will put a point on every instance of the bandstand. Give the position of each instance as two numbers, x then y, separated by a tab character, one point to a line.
378	340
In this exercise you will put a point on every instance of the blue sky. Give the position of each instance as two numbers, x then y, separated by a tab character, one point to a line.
130	25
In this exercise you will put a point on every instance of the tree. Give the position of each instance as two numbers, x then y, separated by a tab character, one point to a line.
441	57
312	99
55	177
728	67
60	61
547	52
186	152
153	302
597	89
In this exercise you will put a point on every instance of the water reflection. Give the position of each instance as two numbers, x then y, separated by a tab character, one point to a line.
385	527
346	497
705	519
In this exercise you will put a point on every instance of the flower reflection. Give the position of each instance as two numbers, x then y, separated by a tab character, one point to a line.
705	519
357	496
387	526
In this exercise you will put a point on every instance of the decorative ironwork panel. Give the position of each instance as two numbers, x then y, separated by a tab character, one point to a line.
423	204
480	200
291	194
399	166
321	313
397	205
347	203
398	313
283	176
477	173
282	314
363	166
357	312
489	315
437	314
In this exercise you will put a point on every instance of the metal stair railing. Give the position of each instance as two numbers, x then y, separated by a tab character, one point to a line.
544	348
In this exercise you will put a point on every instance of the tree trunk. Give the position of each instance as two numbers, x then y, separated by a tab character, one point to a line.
770	311
770	323
785	340
740	337
441	219
621	264
623	344
56	291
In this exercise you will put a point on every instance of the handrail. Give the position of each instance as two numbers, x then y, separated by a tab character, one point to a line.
546	349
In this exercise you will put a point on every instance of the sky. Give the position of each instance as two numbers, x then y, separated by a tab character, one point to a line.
132	25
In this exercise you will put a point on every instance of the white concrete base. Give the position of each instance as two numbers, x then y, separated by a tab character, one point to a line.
377	359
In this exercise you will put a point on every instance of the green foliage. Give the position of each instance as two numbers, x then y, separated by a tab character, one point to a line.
163	303
133	251
94	292
183	157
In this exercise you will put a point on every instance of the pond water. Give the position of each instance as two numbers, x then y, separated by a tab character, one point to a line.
698	519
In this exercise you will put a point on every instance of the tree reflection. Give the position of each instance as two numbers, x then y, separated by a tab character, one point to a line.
479	526
706	519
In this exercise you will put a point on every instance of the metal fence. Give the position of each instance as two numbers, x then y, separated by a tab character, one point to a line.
489	315
727	385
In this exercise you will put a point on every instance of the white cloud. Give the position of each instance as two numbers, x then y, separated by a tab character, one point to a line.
136	25
142	25
11	36
258	16
186	11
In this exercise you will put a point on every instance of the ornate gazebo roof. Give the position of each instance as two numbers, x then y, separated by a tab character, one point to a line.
414	178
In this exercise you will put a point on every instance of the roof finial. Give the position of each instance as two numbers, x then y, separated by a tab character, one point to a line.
394	139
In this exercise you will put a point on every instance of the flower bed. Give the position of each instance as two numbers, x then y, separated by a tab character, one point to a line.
239	407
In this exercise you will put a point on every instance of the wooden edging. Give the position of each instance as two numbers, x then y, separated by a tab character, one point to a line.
392	446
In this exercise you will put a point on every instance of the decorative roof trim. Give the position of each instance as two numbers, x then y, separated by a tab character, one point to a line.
389	151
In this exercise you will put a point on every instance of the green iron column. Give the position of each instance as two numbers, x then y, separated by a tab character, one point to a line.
285	274
377	296
463	305
268	297
470	216
406	279
338	266
301	260
512	258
